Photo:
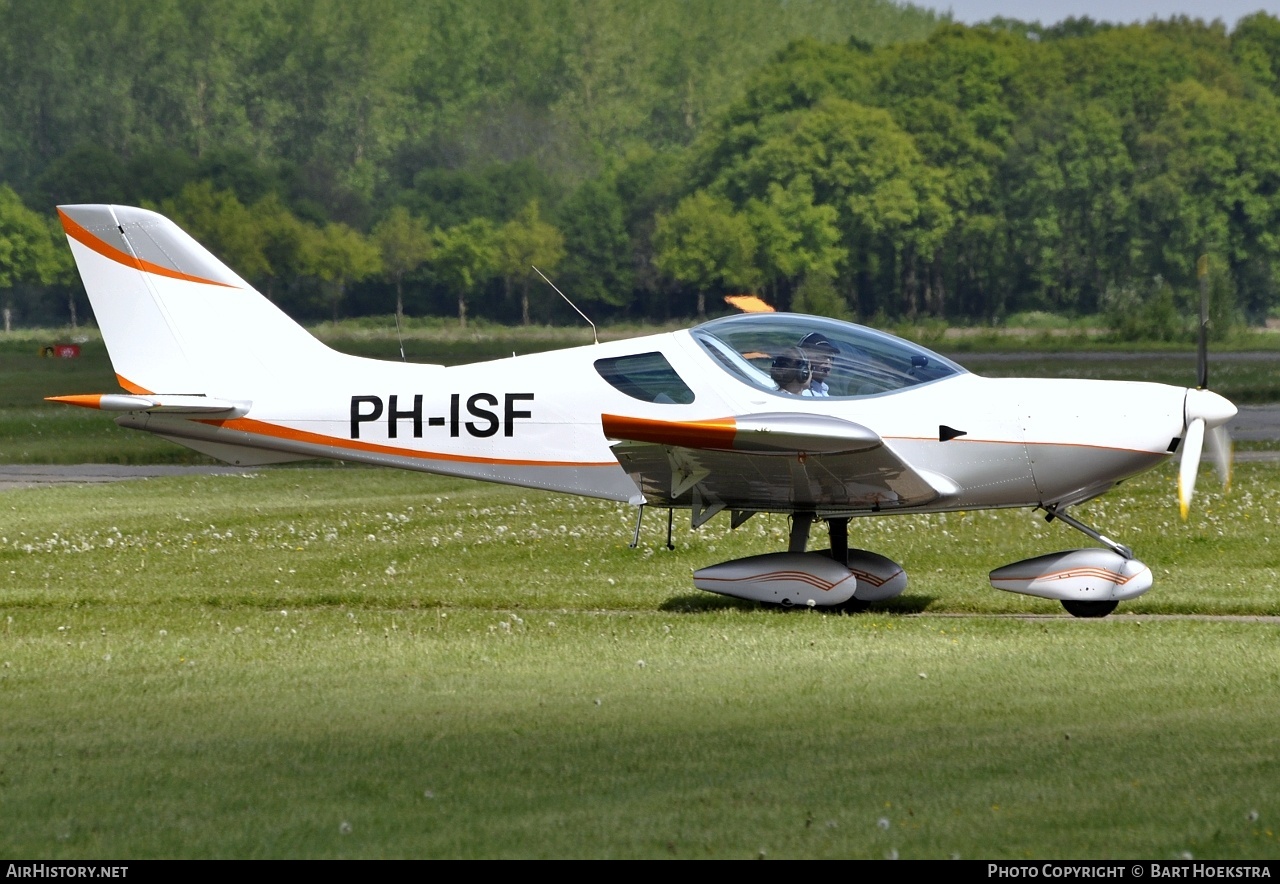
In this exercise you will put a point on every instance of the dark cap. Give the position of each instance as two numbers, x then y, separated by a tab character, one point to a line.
818	341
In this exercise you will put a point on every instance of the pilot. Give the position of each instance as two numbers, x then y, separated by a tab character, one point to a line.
821	353
790	371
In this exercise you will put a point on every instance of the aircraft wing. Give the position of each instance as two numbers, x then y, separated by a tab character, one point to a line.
767	463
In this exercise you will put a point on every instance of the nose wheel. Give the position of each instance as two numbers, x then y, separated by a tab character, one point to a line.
1078	608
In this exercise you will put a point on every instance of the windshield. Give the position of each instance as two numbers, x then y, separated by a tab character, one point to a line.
790	353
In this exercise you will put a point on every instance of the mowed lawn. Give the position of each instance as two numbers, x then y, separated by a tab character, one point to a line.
345	662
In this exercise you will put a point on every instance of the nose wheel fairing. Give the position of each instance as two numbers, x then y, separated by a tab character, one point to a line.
1077	575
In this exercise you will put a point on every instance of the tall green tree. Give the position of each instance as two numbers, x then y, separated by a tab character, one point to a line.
1071	211
30	251
285	241
1214	188
523	243
796	238
465	257
706	245
405	244
339	256
597	263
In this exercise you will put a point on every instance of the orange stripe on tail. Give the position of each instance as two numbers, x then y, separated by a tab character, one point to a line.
87	239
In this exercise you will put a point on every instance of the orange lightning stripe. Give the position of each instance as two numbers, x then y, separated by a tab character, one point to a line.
87	239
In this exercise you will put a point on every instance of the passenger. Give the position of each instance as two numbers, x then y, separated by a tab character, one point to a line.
821	353
790	372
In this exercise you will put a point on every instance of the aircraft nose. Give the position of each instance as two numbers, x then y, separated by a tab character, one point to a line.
1209	407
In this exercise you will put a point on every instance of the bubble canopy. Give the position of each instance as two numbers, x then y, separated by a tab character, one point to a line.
864	362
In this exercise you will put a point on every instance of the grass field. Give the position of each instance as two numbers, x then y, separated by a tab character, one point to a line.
350	662
345	662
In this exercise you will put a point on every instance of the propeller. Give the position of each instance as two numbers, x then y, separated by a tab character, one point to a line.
1206	412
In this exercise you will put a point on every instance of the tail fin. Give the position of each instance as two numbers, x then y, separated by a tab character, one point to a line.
175	319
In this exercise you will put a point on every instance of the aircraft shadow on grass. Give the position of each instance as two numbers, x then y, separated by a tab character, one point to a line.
906	603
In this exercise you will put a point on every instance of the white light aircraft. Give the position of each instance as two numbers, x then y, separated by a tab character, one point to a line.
700	419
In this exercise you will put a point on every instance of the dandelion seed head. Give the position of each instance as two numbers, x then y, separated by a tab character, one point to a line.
883	823
344	828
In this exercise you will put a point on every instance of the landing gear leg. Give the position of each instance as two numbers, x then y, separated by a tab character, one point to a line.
635	538
839	529
800	525
1054	512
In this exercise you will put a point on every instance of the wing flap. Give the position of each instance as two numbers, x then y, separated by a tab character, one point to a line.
763	463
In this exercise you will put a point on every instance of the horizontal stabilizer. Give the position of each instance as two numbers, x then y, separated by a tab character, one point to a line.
156	403
236	455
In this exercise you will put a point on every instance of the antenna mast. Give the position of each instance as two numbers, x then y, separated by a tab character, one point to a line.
595	337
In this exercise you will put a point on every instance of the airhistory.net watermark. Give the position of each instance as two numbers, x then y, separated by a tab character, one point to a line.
64	870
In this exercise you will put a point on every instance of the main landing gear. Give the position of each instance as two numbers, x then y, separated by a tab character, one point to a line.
841	578
1089	583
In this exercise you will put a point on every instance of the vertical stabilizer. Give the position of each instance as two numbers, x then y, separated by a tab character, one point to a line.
176	319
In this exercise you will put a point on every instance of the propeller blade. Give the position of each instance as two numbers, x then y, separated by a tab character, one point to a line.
1192	445
1220	448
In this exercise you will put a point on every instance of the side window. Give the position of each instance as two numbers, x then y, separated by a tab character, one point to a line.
645	376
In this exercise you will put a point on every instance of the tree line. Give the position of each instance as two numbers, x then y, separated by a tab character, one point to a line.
854	159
